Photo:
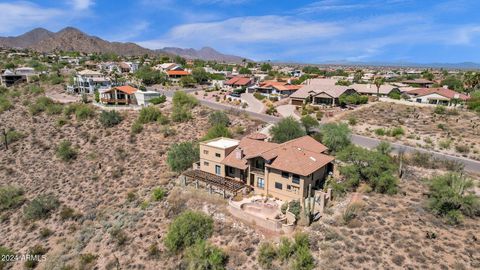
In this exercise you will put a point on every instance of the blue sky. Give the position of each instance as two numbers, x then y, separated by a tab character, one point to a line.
302	31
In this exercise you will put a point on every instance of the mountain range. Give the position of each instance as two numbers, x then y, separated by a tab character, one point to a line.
72	39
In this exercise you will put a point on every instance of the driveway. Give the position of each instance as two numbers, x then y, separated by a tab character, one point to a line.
287	110
254	105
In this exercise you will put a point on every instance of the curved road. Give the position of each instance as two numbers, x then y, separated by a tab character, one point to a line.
470	164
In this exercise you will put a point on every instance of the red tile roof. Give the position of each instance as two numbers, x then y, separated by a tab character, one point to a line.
177	73
127	89
301	156
238	80
440	91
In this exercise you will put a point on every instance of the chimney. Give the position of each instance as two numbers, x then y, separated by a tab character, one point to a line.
239	153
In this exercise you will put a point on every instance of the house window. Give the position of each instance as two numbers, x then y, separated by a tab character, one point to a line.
261	182
278	185
217	170
231	170
205	152
296	179
285	174
218	155
206	163
419	100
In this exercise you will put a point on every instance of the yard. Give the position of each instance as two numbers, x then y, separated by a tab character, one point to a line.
446	130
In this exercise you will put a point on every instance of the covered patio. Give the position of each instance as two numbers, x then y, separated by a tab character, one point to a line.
212	182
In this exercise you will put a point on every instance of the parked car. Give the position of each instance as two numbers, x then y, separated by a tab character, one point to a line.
234	95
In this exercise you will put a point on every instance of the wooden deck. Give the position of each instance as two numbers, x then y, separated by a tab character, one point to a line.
224	183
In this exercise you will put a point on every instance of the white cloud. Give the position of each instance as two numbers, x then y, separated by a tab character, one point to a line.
24	15
81	4
246	30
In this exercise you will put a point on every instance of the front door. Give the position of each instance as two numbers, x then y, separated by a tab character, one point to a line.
217	170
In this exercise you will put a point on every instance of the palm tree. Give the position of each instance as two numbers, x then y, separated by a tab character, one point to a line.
378	81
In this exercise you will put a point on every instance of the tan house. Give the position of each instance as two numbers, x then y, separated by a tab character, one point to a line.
283	171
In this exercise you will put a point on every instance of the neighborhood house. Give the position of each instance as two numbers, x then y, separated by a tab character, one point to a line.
438	96
284	171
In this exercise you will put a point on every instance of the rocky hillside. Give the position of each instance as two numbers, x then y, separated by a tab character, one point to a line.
27	39
205	53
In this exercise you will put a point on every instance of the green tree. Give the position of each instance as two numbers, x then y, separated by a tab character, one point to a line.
244	70
187	229
335	136
265	67
309	123
218	118
181	156
181	98
378	81
200	75
450	197
187	81
287	129
453	83
372	167
217	131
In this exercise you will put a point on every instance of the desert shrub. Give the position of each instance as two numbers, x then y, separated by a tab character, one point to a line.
287	129
5	104
450	197
181	99
303	259
380	131
41	207
439	109
153	251
4	253
119	236
67	213
259	96
218	118
319	115
56	79
158	194
286	249
266	255
65	151
11	197
110	118
45	104
181	114
394	95
163	120
352	120
36	254
335	136
187	229
372	167
461	148
84	111
168	131
384	147
149	114
351	212
296	254
35	89
181	156
203	255
87	260
158	100
352	99
12	136
397	132
445	144
45	232
137	127
217	131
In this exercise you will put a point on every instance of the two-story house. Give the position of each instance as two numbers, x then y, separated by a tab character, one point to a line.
283	171
87	81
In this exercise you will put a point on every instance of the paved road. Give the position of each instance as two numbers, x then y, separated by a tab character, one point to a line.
470	164
254	105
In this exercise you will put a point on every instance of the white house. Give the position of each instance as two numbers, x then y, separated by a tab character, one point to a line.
87	81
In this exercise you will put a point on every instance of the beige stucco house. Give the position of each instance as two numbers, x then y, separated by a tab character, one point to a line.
283	171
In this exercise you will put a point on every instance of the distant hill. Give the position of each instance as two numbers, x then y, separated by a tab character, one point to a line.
72	39
461	65
27	39
205	53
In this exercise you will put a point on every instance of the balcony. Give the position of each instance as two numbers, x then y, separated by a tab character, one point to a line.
257	170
